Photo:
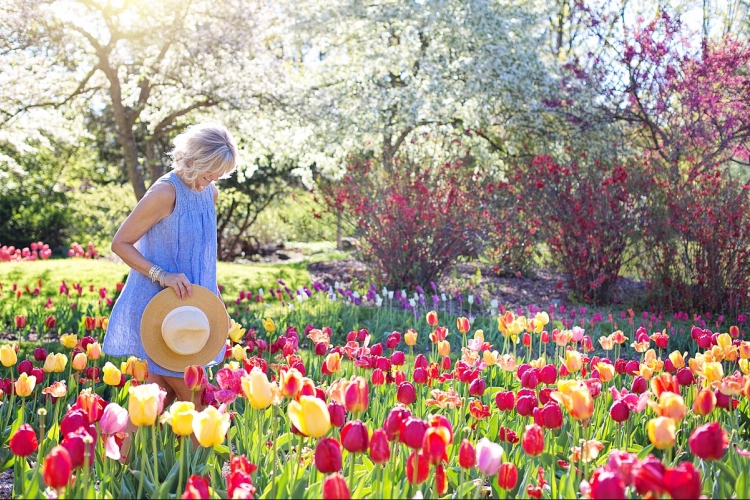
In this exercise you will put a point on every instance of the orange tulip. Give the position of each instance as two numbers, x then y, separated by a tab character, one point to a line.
661	432
705	402
670	405
410	337
333	362
573	361
575	396
432	318
463	324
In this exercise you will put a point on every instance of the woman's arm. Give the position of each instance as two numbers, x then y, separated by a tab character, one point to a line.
157	204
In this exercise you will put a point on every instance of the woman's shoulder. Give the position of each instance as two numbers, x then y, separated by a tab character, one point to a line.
162	190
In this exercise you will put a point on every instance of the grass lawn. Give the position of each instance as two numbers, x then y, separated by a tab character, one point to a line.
104	273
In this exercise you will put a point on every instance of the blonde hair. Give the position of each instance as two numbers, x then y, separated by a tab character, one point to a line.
204	148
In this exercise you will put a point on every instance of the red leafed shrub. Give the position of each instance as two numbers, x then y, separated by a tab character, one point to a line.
587	216
699	253
416	220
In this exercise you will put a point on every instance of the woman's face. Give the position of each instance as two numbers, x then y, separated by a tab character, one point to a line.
204	180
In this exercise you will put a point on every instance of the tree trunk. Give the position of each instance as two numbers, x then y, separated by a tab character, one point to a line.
126	138
155	168
338	230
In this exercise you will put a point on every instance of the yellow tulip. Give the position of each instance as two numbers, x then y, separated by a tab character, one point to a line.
180	417
607	343
677	359
238	352
670	405
25	384
112	375
541	318
69	340
269	325
573	361
144	403
744	349
49	363
444	348
575	396
79	362
489	358
410	337
94	351
712	371
8	355
479	335
745	366
210	427
236	331
538	363
724	340
661	432
61	361
257	389
606	371
136	368
310	416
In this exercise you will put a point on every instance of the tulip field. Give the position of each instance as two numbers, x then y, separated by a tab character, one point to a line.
328	392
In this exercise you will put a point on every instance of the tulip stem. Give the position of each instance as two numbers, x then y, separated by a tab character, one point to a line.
352	456
182	460
156	456
139	435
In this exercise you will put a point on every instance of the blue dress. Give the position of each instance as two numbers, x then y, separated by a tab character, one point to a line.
182	242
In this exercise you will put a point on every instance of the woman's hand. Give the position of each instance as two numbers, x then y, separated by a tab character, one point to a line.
180	283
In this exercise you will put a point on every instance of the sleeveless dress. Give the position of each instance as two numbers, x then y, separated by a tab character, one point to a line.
182	242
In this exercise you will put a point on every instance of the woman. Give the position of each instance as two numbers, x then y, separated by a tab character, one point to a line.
169	240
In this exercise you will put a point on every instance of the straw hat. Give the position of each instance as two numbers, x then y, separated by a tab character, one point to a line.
177	333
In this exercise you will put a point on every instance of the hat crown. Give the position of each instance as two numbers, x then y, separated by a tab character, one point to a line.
185	330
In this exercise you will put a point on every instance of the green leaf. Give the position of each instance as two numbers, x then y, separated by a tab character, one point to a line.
726	470
742	486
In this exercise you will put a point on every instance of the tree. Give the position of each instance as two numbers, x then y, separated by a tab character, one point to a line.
153	65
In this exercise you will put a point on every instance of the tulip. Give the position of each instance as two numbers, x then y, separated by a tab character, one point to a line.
196	488
136	368
337	413
573	361
398	358
466	455
505	401
25	366
144	403
705	402
380	451
114	419
257	389
548	374
444	348
76	443
25	384
20	321
606	371
432	318
477	388
210	426
355	437
290	382
410	337
236	331
195	377
57	467
576	398
40	354
356	395
8	356
23	442
417	468
406	394
328	456
435	444
334	487
683	482
619	412
180	417
552	416
607	484
649	477
533	440
488	456
111	374
412	432
507	476
79	362
661	432
333	362
392	425
463	324
269	325
310	416
709	441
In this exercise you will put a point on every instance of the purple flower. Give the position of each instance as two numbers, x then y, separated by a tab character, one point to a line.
281	282
460	298
420	290
435	300
433	285
741	318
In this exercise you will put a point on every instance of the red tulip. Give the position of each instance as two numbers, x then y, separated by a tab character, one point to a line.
20	321
417	468
683	482
412	432
432	318
445	364
196	488
74	420
619	411
435	444
477	388
380	451
75	443
548	374
632	367
705	402
639	385
378	377
463	325
337	412
544	395
507	476
392	425
466	455
354	436
49	322
40	354
685	376
649	477
505	401
709	441
552	416
525	405
533	440
607	484
25	366
393	339
23	442
420	376
406	394
57	468
328	455
398	358
335	487
357	395
526	338
441	479
376	350
195	378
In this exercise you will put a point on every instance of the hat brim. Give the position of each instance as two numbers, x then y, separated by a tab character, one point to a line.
153	317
